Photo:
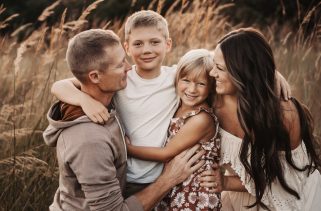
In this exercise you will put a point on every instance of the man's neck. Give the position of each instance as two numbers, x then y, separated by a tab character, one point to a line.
94	92
148	74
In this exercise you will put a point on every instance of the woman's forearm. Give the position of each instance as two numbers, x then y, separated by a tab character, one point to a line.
233	183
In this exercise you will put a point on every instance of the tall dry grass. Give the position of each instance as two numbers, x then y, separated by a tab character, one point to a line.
28	169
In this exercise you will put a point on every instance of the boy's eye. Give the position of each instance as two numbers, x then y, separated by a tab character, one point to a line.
155	42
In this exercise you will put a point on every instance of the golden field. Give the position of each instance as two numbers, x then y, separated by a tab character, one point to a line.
29	66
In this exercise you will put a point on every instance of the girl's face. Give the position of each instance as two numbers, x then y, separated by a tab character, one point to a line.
224	84
193	89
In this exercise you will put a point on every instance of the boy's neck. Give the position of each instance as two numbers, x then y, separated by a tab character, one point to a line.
148	74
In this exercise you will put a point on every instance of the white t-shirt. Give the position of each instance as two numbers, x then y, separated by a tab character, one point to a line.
146	107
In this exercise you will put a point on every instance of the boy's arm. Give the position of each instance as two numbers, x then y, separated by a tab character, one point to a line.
68	90
194	130
282	86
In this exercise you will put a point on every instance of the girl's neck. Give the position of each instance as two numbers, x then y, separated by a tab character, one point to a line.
184	109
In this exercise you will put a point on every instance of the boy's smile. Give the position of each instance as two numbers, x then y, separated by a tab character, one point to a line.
147	46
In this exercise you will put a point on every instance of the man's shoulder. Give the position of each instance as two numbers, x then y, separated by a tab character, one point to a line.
81	133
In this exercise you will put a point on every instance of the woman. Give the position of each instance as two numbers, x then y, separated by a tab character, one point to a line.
267	148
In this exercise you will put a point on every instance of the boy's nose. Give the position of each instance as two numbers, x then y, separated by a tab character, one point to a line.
147	49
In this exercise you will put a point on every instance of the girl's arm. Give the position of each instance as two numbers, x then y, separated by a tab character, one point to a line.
195	129
68	91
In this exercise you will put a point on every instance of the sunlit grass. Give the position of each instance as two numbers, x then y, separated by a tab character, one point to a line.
28	169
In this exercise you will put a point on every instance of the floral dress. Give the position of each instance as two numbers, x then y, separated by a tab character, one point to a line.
189	195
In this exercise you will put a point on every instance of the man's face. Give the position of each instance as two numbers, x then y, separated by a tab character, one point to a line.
147	47
115	77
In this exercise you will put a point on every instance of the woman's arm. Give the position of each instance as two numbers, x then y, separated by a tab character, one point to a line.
291	122
195	129
68	91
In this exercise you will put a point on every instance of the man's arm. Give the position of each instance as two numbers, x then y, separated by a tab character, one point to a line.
175	172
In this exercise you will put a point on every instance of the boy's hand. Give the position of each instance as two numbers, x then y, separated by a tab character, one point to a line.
213	179
282	86
94	109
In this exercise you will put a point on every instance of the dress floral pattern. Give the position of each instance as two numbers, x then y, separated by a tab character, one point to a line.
189	195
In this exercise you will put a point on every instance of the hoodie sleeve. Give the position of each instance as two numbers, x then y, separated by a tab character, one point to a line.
92	161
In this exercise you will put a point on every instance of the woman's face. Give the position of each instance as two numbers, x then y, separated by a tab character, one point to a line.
224	84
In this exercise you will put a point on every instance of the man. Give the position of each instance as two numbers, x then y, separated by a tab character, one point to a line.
92	157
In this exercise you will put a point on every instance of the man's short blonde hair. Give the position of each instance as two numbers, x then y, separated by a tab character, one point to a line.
146	18
87	51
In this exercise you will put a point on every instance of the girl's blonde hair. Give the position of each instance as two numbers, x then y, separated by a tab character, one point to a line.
199	62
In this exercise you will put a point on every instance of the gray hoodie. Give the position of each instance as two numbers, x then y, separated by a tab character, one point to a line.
92	163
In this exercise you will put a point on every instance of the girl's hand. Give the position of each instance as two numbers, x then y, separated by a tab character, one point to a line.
94	109
213	179
282	86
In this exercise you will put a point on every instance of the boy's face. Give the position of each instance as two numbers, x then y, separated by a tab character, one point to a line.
147	46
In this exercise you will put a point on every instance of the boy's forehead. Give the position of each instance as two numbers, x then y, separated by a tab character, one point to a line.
146	32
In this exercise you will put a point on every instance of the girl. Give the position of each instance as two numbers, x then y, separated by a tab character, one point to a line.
267	143
193	122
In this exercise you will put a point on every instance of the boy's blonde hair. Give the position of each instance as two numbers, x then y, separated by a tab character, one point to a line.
146	18
198	62
87	51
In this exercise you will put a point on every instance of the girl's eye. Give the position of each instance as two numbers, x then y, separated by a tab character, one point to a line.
185	80
202	84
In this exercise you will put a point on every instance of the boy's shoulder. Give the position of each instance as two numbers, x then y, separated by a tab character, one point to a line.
172	68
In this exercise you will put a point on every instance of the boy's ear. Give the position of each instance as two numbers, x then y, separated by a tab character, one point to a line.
93	76
126	47
168	45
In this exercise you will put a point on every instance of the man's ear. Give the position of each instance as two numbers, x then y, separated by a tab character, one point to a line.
93	76
126	47
168	45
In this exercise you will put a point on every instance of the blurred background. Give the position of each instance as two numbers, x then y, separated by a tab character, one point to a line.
33	40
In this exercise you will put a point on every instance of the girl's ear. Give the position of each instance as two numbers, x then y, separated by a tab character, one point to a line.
126	46
94	76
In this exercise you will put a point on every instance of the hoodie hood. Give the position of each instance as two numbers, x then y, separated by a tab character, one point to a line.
56	125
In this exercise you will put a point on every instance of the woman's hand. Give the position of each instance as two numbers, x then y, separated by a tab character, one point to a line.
213	179
94	109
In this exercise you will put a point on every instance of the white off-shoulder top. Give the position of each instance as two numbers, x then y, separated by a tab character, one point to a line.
276	198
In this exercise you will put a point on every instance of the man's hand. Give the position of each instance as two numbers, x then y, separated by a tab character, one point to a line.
282	86
182	166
